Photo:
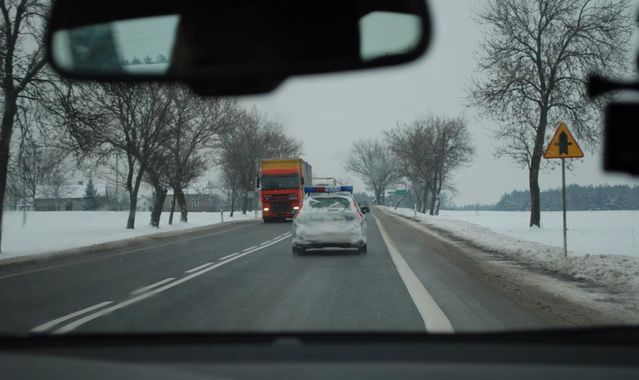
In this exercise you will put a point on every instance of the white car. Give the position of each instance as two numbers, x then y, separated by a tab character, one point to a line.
329	217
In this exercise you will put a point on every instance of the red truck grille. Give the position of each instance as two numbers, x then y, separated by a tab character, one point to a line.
280	207
279	197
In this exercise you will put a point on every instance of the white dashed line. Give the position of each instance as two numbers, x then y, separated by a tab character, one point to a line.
228	256
207	267
198	268
46	326
154	285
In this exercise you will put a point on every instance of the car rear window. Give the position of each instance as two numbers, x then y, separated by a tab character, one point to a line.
332	202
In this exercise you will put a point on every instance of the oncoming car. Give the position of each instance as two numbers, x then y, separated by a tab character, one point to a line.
329	218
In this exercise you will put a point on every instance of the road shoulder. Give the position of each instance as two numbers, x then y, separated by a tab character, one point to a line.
558	301
131	243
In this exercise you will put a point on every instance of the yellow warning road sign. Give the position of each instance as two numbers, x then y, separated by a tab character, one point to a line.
563	144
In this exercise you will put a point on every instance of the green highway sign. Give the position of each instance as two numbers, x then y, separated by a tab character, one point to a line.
398	192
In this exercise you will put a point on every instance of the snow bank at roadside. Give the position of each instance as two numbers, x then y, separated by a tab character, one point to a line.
618	272
53	231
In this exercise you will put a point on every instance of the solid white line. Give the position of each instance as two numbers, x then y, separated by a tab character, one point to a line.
249	248
45	326
81	321
155	285
227	256
198	268
434	318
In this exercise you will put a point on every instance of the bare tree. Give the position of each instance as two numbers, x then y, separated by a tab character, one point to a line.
198	124
129	118
427	151
452	149
535	59
253	138
412	145
21	60
373	162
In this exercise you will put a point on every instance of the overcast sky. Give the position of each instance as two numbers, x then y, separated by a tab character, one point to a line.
328	113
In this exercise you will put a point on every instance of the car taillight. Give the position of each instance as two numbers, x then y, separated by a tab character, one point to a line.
358	211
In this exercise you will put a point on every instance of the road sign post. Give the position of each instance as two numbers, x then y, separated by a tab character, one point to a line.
563	204
563	145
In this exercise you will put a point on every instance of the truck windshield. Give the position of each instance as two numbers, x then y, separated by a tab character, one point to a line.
280	182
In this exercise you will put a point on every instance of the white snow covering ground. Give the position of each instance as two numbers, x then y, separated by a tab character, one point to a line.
50	231
603	245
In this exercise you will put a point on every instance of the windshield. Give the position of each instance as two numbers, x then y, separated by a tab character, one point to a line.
280	182
136	207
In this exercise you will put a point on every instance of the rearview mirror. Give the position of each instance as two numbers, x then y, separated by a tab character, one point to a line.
243	46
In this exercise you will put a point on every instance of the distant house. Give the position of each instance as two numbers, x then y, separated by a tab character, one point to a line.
71	197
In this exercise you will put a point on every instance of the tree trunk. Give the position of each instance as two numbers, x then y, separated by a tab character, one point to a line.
184	212
233	196
172	207
8	119
133	204
159	196
535	209
433	201
535	164
133	200
379	195
424	200
439	194
245	203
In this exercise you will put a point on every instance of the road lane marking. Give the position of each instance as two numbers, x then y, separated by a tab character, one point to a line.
227	256
434	318
107	255
46	326
198	268
81	321
249	248
154	285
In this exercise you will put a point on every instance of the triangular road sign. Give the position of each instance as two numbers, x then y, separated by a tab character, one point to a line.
563	144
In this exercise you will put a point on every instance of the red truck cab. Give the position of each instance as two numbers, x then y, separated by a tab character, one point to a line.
281	184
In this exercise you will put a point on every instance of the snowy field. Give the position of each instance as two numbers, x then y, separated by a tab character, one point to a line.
603	245
589	232
53	231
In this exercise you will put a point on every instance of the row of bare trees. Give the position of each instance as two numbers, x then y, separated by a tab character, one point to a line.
422	154
168	138
240	151
427	151
160	135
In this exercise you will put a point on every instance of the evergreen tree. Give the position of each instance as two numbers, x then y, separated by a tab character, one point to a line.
90	202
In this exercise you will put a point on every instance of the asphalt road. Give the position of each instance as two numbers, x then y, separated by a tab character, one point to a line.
243	277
